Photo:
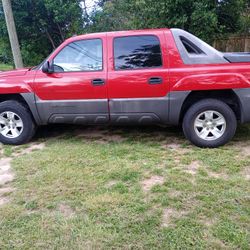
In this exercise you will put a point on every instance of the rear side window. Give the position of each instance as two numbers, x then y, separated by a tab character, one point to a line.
190	47
137	52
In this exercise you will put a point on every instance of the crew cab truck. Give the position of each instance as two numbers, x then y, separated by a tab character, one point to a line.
162	76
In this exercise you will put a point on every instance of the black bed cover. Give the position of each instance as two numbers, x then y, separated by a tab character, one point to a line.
237	57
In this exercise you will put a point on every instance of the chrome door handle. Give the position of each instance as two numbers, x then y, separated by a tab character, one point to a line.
155	80
98	82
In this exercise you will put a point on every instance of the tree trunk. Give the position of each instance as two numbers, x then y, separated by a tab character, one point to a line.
15	47
51	40
60	32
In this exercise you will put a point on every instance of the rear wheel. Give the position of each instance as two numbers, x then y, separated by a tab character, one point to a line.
16	123
209	123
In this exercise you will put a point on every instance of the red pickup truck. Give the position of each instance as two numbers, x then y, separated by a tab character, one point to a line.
162	76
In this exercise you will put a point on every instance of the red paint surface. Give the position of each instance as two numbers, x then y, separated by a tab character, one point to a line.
127	83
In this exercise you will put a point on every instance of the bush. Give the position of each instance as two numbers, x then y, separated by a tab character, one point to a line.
5	52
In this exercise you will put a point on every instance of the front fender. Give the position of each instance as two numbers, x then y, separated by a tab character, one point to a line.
16	81
12	87
20	82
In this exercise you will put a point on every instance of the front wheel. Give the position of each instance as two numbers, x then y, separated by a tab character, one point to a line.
16	123
209	123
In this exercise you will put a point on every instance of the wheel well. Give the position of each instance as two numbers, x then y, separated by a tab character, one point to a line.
15	97
227	96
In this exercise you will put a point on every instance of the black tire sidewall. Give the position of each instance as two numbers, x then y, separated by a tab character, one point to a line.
28	123
202	106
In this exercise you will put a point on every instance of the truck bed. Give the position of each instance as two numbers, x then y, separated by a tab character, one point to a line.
237	57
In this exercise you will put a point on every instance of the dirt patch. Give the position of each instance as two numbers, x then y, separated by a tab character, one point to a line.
101	136
115	138
169	214
217	175
176	147
91	133
1	150
174	193
193	168
31	148
4	169
5	191
246	173
4	165
110	138
208	222
243	149
6	175
177	161
196	165
6	178
246	150
218	244
4	200
111	184
66	210
149	183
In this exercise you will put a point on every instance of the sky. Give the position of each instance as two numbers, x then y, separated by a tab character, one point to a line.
90	4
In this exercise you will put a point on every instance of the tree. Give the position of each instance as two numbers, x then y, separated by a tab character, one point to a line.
229	15
245	18
205	18
43	25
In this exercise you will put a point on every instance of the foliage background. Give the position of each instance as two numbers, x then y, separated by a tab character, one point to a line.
43	24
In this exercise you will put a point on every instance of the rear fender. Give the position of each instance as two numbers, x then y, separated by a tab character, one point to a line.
211	82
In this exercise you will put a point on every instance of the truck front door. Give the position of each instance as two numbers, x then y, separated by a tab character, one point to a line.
76	91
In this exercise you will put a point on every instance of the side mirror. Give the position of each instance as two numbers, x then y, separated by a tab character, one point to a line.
47	68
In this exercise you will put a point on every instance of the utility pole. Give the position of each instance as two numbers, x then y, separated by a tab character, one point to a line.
12	33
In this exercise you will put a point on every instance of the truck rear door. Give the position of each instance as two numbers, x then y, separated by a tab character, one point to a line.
138	77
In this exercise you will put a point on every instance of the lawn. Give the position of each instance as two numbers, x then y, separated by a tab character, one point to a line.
126	188
5	67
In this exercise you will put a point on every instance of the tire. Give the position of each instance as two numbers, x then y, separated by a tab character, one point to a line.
209	123
16	118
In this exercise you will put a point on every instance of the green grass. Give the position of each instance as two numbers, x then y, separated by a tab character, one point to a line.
86	192
5	67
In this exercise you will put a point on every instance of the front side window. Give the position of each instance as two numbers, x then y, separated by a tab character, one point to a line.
136	52
84	55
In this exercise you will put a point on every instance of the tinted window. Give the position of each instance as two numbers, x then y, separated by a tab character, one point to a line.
136	52
190	47
84	55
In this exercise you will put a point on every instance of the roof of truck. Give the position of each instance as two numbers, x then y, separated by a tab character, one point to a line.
125	32
202	53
